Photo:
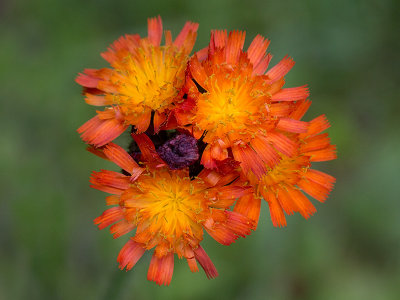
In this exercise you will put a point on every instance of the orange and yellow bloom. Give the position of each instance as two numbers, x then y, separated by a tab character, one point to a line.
240	107
213	134
145	78
169	210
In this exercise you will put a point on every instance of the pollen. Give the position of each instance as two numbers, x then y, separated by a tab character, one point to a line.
148	78
171	203
230	106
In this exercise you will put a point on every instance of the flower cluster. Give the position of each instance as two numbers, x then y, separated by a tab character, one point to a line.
213	134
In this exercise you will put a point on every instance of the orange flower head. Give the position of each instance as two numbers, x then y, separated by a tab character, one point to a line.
169	210
145	77
282	186
237	106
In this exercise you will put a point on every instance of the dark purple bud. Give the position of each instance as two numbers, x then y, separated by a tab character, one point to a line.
179	152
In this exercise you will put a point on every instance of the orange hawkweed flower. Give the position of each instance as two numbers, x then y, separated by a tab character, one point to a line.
168	209
238	107
145	77
283	184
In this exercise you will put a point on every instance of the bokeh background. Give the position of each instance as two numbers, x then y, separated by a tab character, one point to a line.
348	53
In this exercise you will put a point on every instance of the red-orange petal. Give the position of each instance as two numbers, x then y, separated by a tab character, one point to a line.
282	143
205	262
305	207
192	264
206	160
257	52
109	216
96	100
317	142
111	179
88	78
130	255
234	46
275	209
161	269
219	38
182	36
291	94
267	153
121	228
99	132
249	160
146	147
122	159
143	121
280	70
317	184
291	125
318	125
301	109
155	30
159	120
249	206
326	154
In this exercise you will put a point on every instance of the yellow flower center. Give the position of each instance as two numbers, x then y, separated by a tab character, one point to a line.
172	204
232	105
148	78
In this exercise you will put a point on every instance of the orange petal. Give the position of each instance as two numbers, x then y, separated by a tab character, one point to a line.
256	52
291	125
96	100
122	159
88	78
233	191
291	94
217	152
318	125
121	228
161	269
97	151
317	142
249	206
154	27
159	120
197	71
280	70
112	200
182	36
239	224
234	46
109	217
222	234
146	147
249	160
111	179
326	154
305	207
317	184
205	262
206	160
192	264
219	38
99	132
202	54
301	109
143	121
130	255
280	109
282	143
275	209
286	202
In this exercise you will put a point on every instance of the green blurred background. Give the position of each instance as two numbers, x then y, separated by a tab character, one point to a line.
348	53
